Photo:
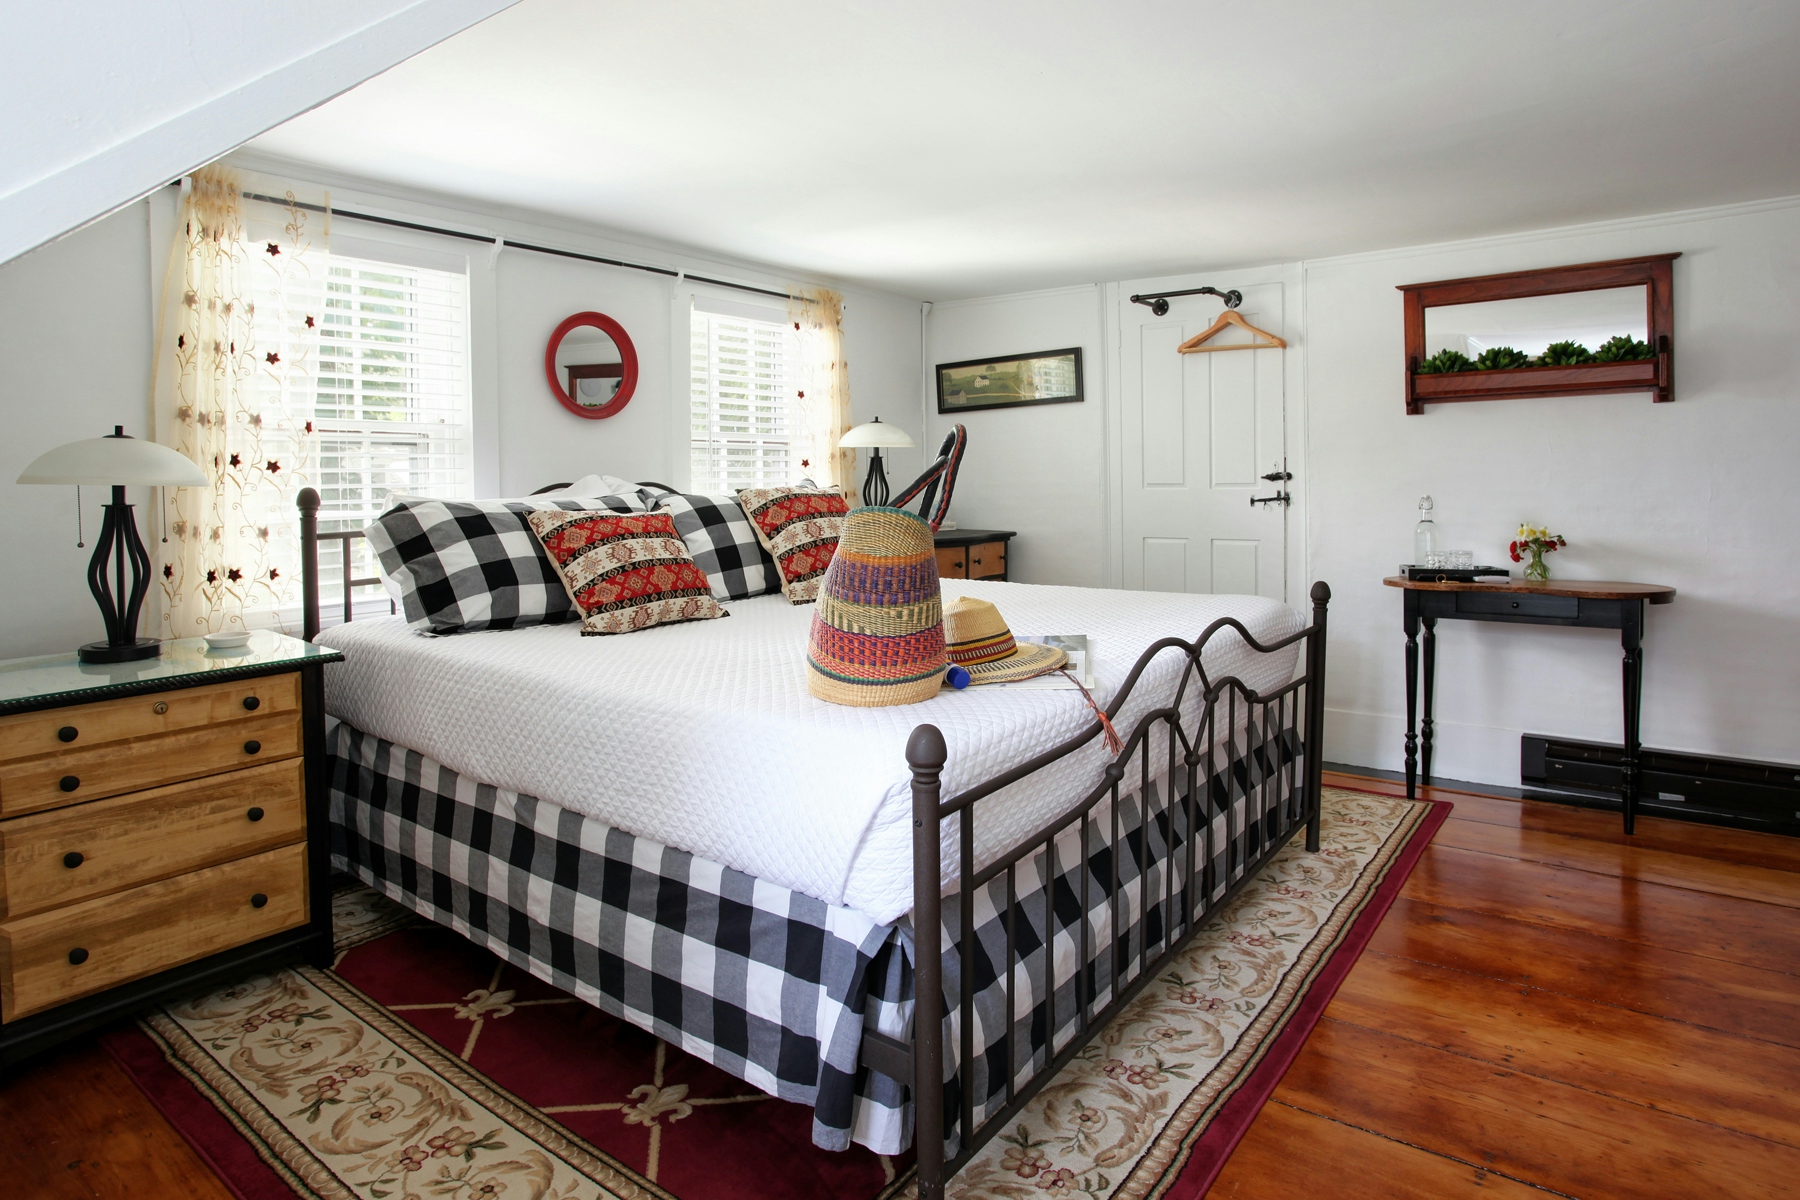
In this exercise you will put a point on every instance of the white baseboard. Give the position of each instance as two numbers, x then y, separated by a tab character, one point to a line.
1475	753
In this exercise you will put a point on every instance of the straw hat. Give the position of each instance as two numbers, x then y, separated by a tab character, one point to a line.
977	640
878	634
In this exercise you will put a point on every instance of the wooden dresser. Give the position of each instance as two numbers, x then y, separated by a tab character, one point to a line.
973	553
162	829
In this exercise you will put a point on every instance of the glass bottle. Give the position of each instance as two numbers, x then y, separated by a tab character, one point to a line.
1425	534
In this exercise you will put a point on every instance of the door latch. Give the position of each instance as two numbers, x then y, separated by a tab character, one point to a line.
1280	475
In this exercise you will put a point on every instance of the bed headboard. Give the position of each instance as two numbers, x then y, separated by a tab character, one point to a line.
308	502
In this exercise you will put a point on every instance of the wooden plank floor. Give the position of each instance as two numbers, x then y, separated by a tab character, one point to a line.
1549	1007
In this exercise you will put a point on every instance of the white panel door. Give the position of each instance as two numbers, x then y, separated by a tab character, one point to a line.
1198	433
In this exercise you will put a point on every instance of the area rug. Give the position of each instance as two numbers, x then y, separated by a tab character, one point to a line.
422	1068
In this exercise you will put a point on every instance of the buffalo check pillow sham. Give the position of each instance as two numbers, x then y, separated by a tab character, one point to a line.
724	544
465	565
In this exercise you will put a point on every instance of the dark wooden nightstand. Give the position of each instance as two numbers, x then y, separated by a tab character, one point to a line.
163	828
973	553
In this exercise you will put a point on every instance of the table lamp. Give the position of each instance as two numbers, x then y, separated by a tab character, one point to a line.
117	460
873	437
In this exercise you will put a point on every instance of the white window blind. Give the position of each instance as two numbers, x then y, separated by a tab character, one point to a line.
389	393
741	402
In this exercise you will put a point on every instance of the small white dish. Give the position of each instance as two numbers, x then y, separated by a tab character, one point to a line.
227	641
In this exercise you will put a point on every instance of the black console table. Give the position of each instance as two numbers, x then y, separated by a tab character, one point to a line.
1584	603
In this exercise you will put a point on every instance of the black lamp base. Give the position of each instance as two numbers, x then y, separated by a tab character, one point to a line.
106	652
875	486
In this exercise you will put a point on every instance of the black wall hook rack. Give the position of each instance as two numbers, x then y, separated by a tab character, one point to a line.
1158	302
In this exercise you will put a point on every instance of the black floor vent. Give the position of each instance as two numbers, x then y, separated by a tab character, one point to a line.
1697	787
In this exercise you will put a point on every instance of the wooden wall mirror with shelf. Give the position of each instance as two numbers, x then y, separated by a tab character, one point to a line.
1589	329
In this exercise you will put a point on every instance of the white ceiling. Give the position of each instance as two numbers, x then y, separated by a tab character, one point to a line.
944	149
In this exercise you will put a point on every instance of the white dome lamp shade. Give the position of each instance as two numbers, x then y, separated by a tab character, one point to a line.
117	461
875	437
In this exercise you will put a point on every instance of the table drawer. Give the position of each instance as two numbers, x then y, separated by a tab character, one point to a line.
953	563
987	560
58	955
55	858
57	780
1518	604
79	727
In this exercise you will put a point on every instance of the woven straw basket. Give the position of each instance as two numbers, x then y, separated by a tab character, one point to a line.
878	634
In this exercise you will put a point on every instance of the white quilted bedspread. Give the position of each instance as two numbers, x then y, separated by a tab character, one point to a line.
703	736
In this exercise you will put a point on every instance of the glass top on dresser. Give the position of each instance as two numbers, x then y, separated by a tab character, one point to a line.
56	679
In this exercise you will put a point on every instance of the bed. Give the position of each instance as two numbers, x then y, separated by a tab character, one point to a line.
908	918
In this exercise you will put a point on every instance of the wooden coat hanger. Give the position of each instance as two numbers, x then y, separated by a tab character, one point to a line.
1229	317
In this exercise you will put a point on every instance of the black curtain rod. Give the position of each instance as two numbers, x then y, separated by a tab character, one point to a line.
476	237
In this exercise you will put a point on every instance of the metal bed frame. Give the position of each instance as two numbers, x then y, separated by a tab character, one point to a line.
1274	775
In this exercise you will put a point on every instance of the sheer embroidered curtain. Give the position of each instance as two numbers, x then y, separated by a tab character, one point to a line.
822	402
235	376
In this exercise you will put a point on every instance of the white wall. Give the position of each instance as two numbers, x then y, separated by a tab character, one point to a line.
74	361
107	99
75	341
1039	470
1701	494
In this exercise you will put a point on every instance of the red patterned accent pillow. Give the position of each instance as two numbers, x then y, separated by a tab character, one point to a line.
625	572
799	528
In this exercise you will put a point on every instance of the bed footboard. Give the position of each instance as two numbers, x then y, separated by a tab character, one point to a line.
1223	816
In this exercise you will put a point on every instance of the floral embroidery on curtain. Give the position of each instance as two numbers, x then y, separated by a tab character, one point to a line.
234	392
822	400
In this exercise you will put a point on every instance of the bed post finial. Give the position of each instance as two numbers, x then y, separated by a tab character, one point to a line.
308	504
1315	716
925	754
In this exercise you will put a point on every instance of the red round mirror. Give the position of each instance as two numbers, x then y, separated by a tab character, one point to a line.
592	376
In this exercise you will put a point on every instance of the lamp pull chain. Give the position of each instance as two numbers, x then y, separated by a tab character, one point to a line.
162	511
80	538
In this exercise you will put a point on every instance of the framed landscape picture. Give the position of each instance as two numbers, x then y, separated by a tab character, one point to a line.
1011	381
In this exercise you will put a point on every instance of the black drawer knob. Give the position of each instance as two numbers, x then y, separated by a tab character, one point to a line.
67	733
258	900
252	746
255	814
69	783
73	859
251	703
77	956
1515	604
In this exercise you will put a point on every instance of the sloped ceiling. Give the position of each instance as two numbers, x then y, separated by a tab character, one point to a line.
946	149
107	99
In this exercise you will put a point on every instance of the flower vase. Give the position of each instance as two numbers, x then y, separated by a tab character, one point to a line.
1537	570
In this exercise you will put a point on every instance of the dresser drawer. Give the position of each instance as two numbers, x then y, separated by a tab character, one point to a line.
987	560
86	725
1518	604
55	858
72	776
953	563
68	952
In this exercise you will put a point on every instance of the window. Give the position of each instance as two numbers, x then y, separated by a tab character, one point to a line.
740	402
387	392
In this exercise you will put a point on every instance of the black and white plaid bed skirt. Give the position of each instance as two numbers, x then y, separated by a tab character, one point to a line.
773	986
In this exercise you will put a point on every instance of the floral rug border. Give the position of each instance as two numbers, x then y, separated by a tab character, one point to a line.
1176	1150
1171	1155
